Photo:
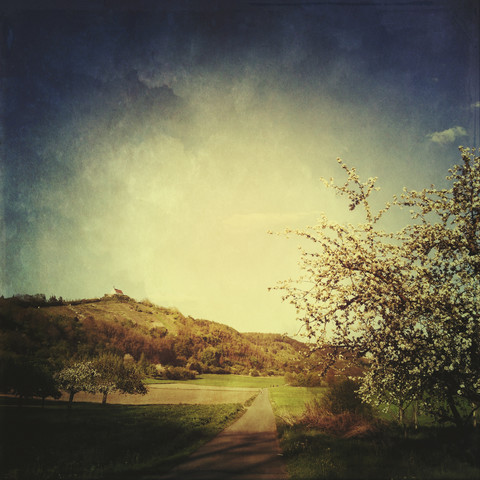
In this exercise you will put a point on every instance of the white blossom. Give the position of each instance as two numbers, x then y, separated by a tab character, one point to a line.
409	300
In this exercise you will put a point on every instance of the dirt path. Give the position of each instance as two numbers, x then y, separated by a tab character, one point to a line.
247	450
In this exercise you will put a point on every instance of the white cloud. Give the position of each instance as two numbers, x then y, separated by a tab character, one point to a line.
447	136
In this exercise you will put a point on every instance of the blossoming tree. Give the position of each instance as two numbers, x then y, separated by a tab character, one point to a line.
115	374
77	377
409	300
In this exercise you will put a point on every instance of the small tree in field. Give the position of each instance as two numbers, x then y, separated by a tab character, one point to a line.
115	374
409	300
78	377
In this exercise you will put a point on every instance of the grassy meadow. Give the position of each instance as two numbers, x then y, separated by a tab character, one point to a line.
92	441
233	381
289	402
429	452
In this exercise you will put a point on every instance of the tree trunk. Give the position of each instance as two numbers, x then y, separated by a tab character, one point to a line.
104	399
401	420
415	414
70	399
455	415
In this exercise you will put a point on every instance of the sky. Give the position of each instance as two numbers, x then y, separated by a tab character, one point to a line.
151	146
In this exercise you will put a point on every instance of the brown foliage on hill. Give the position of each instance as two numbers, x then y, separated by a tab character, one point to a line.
120	325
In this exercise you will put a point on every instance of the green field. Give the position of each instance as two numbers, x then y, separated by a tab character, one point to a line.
92	441
431	452
215	380
290	401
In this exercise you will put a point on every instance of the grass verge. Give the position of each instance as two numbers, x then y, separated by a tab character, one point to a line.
92	441
431	452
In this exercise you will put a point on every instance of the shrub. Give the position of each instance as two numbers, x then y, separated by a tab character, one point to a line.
308	379
340	412
216	370
344	424
179	373
195	366
342	397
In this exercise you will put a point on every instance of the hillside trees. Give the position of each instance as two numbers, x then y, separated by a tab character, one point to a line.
104	336
409	300
32	333
56	335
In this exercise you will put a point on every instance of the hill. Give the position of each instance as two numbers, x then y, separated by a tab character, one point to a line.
55	330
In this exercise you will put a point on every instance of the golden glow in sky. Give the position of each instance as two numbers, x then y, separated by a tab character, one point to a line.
162	148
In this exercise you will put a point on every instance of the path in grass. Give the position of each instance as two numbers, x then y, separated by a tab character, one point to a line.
247	449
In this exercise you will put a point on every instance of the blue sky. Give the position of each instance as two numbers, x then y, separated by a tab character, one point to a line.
151	146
